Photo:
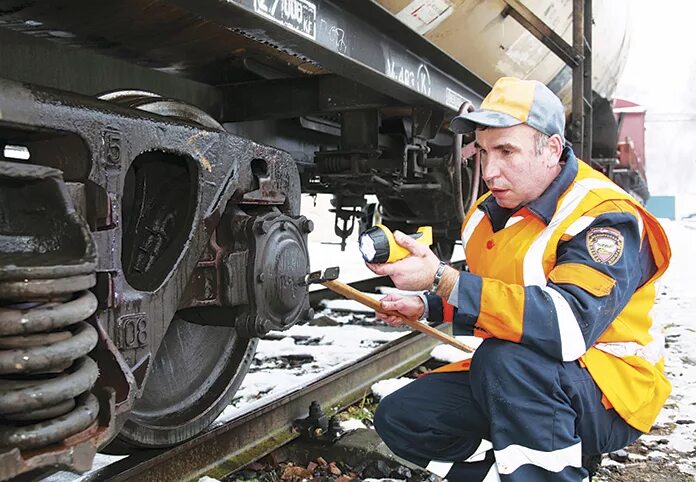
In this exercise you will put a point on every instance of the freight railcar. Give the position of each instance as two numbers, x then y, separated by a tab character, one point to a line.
154	154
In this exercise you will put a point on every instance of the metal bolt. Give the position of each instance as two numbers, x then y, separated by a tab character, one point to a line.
261	278
260	228
307	226
315	410
309	314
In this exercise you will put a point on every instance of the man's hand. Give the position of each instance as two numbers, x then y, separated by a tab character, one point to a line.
415	272
410	307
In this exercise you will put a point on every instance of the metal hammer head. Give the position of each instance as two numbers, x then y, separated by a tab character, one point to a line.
321	276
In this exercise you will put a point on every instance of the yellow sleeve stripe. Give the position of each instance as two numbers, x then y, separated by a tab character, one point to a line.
586	277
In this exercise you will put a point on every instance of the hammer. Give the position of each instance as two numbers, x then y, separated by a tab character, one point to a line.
329	278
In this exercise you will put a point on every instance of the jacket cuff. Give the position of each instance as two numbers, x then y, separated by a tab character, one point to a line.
434	307
467	294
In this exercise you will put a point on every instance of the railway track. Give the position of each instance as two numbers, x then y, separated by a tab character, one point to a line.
233	444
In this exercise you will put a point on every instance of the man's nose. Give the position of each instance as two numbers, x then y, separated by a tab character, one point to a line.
490	169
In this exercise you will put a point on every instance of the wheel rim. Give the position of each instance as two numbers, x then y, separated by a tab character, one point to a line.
194	376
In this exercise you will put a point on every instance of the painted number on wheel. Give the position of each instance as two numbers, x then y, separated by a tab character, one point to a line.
297	15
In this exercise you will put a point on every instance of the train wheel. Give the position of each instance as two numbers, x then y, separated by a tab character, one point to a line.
198	368
195	374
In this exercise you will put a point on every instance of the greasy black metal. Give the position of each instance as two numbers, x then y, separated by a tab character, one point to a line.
45	288
314	425
45	355
373	61
59	65
605	129
191	379
213	164
46	239
232	445
189	384
74	453
54	430
43	413
579	122
214	44
537	27
327	274
456	167
46	316
348	44
19	396
409	39
279	244
296	97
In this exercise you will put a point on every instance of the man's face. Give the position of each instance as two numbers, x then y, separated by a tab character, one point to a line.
511	167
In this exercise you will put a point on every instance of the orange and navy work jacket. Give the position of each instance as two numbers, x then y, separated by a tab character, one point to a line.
571	274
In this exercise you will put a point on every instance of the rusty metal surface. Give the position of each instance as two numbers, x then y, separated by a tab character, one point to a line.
58	428
73	453
228	447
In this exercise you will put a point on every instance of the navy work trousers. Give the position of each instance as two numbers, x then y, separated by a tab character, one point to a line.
517	416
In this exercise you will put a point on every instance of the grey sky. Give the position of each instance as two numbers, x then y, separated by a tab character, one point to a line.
660	74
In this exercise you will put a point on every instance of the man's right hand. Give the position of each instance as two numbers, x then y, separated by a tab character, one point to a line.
414	272
410	307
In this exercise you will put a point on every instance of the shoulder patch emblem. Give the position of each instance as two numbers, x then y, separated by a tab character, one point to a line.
605	245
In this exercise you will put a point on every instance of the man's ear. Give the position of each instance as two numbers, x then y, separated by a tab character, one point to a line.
555	146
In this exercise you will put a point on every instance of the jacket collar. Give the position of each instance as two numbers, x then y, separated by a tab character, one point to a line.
544	206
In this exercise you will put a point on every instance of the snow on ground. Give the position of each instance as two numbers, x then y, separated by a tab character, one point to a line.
352	424
334	347
384	387
676	313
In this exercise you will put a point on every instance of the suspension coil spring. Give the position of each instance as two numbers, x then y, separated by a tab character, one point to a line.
45	375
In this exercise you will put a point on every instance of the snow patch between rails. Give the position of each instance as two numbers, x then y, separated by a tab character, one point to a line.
352	424
384	387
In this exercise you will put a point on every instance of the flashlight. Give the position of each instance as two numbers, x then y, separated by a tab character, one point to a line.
378	245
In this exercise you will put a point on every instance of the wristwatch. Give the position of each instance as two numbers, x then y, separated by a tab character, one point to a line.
438	277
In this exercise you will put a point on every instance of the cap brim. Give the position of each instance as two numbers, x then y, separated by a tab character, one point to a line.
463	124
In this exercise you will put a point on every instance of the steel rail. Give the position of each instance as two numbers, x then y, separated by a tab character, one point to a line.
230	446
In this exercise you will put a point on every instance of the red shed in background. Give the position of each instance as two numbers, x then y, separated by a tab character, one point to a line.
629	172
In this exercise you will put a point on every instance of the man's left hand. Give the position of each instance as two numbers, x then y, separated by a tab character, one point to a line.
415	272
410	307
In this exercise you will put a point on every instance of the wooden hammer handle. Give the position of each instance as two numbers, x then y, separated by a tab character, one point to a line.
353	294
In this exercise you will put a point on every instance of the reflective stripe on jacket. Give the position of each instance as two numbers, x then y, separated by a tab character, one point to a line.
572	274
